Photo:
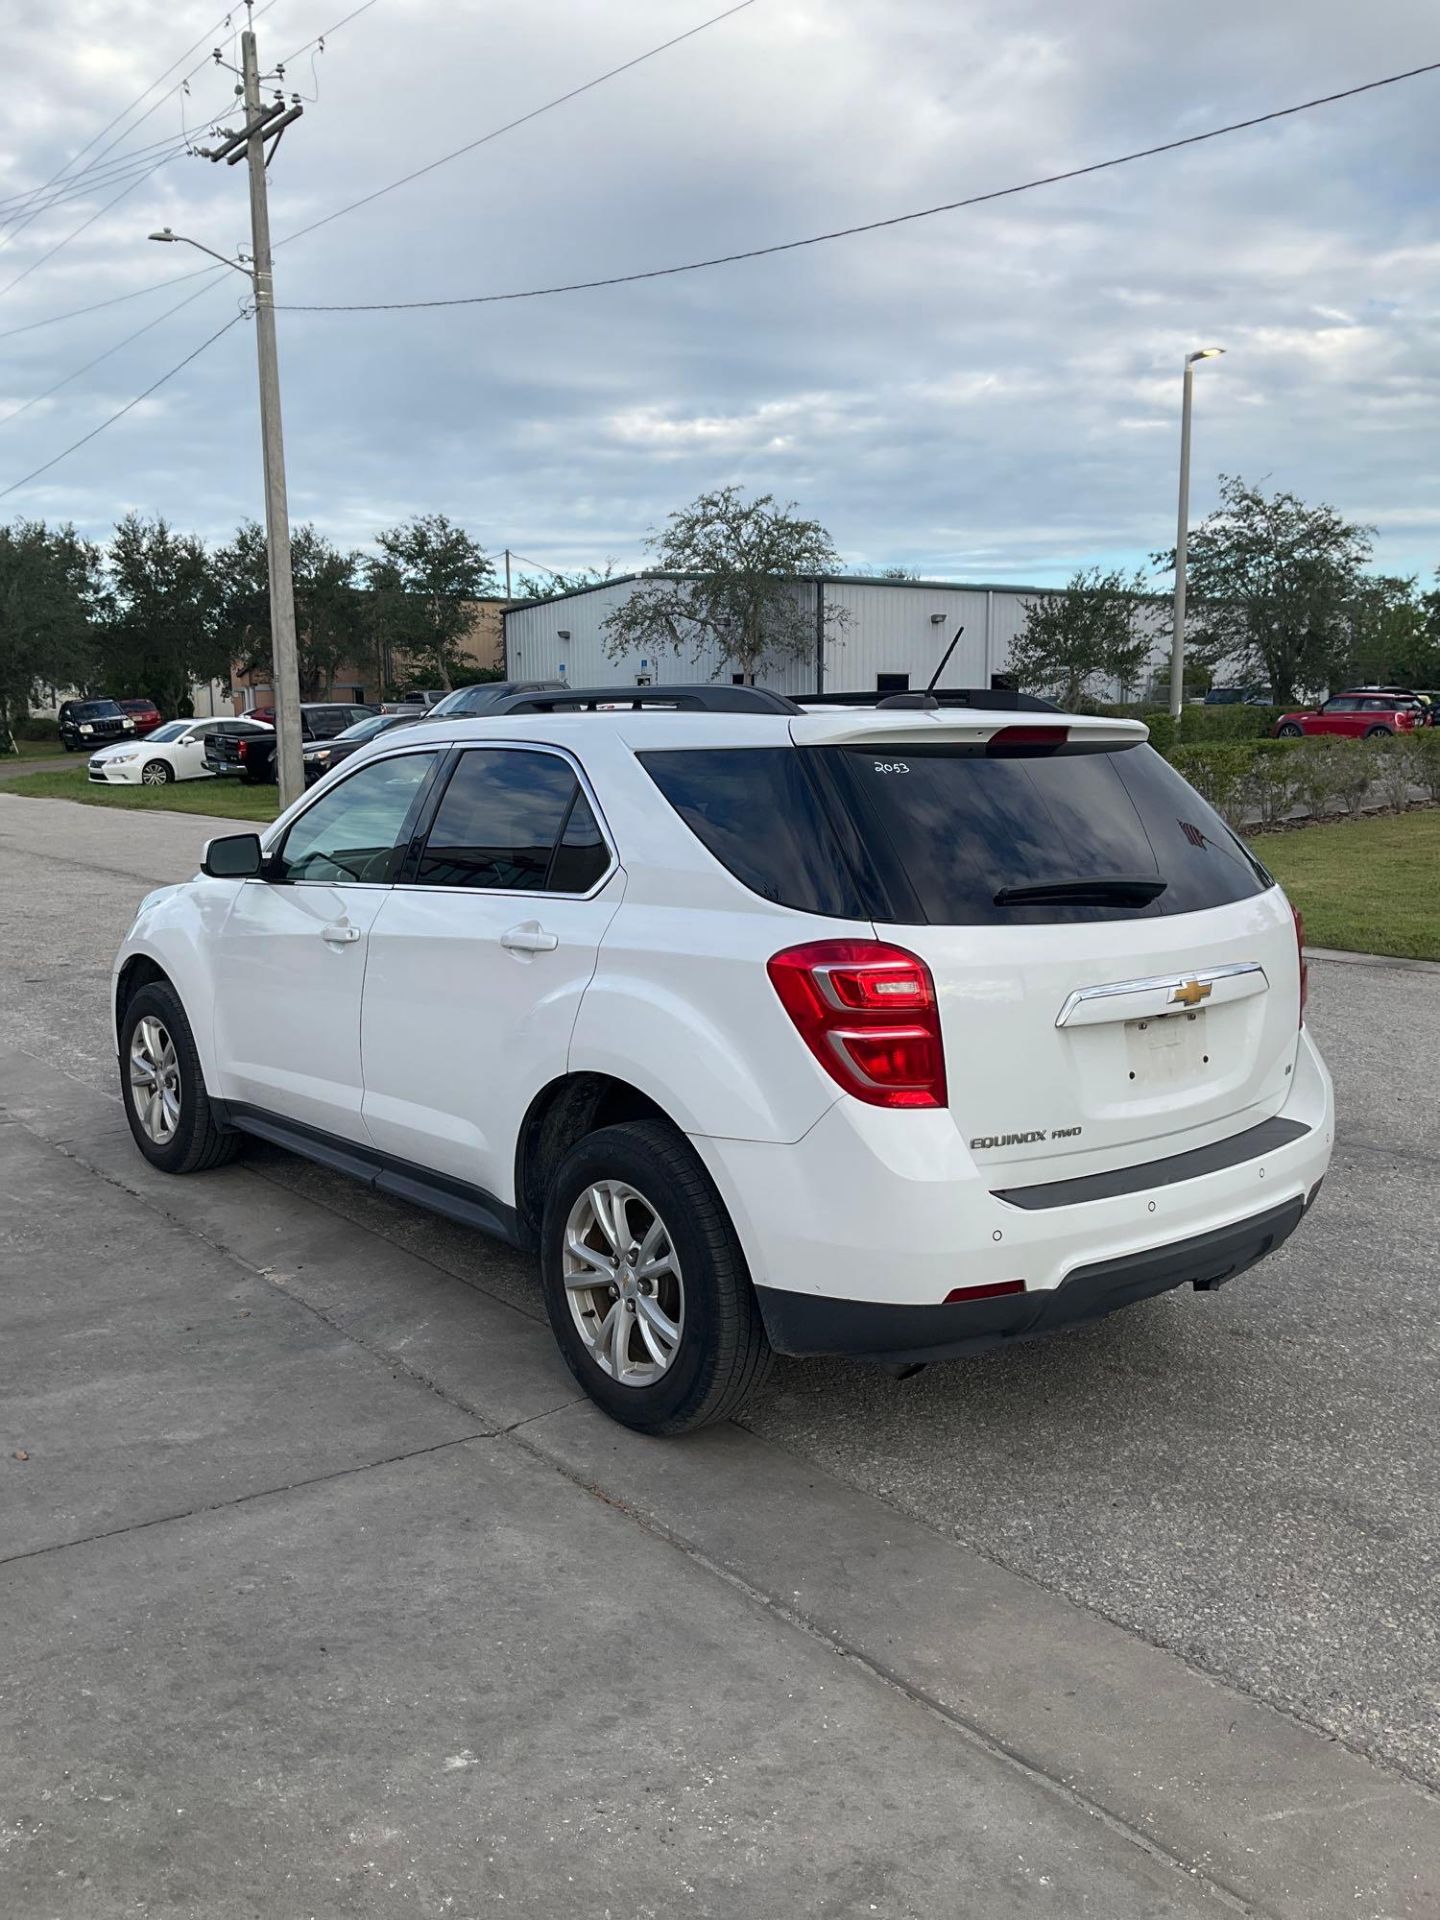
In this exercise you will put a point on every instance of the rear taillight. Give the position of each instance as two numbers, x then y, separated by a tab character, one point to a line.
243	750
867	1012
1304	963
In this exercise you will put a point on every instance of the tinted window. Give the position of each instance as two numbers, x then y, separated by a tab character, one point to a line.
963	825
352	832
172	730
96	710
758	811
1340	706
325	722
466	700
582	856
499	821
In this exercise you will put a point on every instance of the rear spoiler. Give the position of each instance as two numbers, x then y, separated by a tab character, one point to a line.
994	699
885	726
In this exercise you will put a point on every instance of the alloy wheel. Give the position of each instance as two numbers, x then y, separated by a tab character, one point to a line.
155	1079
153	775
623	1283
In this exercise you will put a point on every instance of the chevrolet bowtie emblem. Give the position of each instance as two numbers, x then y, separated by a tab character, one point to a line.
1191	994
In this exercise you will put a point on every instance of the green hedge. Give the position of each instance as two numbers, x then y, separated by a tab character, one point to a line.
1319	774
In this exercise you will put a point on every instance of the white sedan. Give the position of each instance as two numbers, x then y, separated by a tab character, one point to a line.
175	751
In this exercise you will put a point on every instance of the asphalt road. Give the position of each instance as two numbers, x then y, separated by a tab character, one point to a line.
1246	1482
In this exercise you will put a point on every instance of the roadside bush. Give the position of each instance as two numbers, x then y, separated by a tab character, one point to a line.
1355	774
1219	773
38	729
1397	770
1271	785
1317	772
1427	760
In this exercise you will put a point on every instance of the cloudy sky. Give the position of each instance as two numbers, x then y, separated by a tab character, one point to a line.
990	394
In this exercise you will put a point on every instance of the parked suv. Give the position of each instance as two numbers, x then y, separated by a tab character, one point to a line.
92	723
891	1032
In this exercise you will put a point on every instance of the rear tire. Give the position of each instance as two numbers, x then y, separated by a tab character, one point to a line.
163	1089
1378	733
666	1201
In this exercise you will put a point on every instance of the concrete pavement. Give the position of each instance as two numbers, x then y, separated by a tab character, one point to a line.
270	1342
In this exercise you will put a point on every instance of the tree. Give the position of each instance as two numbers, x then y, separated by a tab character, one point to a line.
1271	581
1094	630
50	592
724	586
532	586
329	619
1393	639
161	631
423	583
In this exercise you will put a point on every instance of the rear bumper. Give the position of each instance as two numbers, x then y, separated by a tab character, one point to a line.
873	1212
801	1323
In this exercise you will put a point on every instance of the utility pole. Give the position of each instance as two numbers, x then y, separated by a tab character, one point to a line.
289	765
507	573
1182	538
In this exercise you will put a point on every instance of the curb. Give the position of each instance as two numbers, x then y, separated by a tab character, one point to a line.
1391	960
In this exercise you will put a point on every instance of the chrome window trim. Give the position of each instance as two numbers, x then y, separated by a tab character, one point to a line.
526	893
1153	984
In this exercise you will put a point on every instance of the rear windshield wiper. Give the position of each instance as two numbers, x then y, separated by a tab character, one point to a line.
1116	892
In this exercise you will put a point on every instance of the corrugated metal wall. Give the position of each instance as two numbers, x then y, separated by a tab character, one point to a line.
890	627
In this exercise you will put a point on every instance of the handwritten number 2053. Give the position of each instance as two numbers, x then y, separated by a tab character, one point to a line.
891	766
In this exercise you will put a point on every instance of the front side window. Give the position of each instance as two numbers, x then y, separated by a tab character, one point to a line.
513	820
354	833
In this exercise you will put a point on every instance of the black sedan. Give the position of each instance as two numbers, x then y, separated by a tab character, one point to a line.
321	755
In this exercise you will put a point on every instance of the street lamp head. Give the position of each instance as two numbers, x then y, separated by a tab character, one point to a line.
164	234
1204	353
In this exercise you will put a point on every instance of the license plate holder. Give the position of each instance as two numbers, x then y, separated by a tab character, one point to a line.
1167	1049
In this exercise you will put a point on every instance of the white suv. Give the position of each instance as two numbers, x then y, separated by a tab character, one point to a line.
891	1031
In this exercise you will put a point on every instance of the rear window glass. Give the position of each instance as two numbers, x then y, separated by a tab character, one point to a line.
966	826
936	833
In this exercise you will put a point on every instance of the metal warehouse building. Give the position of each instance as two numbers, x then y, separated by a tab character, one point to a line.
890	636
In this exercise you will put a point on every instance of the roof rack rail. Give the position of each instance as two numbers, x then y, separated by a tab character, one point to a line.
685	699
995	699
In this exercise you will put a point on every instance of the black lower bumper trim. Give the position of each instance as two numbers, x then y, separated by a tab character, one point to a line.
802	1323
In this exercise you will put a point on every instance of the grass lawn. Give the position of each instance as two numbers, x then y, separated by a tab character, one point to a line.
1372	886
230	799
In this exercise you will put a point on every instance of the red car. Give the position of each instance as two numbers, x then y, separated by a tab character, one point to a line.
1353	715
144	713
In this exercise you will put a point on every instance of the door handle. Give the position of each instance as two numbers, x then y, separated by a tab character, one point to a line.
340	936
530	939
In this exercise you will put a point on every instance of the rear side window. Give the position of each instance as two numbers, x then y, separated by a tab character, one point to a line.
965	826
762	815
513	820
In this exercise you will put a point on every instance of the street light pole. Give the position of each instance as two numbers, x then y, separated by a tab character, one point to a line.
289	764
1182	538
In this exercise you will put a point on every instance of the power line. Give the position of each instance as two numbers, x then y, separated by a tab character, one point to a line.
868	226
212	274
129	406
87	177
96	306
510	125
16	227
75	232
325	33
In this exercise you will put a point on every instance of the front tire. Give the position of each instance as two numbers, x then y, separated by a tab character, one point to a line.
1290	733
163	1089
155	773
647	1290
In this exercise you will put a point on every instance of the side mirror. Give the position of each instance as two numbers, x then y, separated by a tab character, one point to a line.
233	856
